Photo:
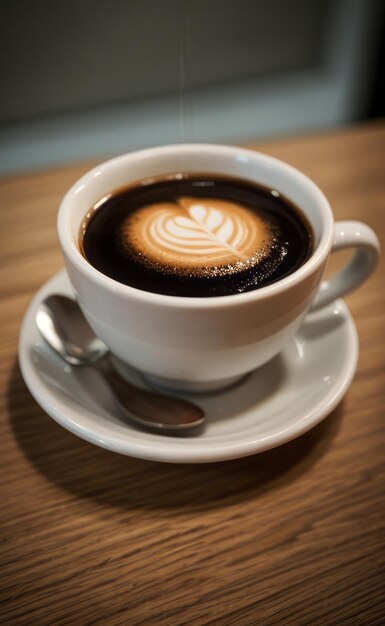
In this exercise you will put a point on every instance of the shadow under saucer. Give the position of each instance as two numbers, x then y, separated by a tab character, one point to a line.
89	472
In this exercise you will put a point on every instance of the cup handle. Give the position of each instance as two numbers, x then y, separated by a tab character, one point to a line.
367	249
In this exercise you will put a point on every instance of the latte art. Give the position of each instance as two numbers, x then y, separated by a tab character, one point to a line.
193	233
195	236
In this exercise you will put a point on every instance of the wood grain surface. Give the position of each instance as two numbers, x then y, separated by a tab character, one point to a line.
292	536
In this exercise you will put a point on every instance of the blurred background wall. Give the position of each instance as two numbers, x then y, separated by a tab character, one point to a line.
94	78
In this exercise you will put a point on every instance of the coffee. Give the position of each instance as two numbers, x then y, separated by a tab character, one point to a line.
196	235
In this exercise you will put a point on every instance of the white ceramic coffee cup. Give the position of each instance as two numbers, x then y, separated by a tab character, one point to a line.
204	343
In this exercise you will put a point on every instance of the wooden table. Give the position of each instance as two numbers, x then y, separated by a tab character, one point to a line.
292	536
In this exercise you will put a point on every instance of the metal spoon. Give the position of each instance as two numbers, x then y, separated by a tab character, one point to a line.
64	327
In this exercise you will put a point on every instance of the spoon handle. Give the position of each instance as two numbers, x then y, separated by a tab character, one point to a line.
149	407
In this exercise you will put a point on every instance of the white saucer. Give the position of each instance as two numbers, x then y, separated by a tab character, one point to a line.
273	405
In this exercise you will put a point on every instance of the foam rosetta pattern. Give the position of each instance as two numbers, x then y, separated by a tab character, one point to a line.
192	234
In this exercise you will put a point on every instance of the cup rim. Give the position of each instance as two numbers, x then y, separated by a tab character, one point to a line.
72	252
